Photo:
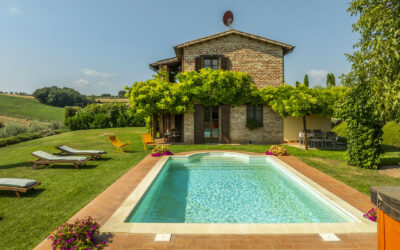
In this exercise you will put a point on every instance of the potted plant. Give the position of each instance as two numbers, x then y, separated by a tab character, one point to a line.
160	150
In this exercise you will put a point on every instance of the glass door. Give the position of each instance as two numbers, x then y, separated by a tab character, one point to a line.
211	124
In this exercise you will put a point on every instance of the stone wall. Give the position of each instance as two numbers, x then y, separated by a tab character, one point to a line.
264	62
270	133
188	128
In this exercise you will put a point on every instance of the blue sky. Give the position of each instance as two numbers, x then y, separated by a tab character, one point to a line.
101	46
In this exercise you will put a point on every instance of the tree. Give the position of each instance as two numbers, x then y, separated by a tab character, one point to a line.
297	83
106	95
306	83
121	93
60	97
374	78
330	80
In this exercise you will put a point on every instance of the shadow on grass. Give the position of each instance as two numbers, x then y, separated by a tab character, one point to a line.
16	165
390	161
390	148
30	194
66	166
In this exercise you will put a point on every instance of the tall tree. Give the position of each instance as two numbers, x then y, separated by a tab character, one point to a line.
374	78
330	80
298	84
306	83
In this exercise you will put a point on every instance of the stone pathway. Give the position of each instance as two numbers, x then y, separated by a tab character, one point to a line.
105	204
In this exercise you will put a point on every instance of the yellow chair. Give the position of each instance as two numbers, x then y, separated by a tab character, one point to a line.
147	140
117	143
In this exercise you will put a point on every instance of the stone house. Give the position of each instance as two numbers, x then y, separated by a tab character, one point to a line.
234	50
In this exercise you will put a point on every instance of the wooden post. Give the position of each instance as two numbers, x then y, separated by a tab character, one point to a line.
305	133
153	126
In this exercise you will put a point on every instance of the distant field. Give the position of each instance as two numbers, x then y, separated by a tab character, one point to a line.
107	100
22	107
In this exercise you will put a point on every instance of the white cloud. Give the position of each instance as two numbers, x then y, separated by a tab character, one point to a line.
92	72
80	83
14	10
317	76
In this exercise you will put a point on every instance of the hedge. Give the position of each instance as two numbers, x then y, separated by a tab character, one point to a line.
18	138
110	115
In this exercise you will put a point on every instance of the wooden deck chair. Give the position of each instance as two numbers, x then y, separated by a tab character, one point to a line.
94	154
147	140
17	185
118	144
47	159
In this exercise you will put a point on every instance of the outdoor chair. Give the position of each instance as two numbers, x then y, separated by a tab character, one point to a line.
176	136
118	144
317	139
17	185
147	140
47	159
94	154
330	139
310	136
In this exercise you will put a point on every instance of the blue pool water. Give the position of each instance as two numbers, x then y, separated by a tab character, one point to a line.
230	188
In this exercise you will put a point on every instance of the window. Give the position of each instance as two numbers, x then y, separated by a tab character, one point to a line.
255	112
211	63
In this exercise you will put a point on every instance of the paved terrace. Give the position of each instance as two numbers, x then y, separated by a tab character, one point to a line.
105	204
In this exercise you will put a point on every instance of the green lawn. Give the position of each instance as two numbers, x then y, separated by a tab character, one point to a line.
64	191
29	108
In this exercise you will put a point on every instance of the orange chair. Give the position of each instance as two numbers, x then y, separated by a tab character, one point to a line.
117	143
147	140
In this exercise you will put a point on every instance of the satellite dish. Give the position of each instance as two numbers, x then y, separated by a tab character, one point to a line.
228	18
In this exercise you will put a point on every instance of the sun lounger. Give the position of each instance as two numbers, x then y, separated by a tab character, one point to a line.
47	159
117	143
17	185
94	154
146	139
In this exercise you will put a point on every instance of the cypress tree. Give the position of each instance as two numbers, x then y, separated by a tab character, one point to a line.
306	83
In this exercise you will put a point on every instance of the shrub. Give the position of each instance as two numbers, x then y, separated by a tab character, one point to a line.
12	129
18	138
252	124
110	115
77	235
2	125
60	97
277	150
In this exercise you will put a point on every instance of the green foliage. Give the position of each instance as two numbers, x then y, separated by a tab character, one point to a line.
18	138
121	93
214	87
374	78
364	134
376	61
60	97
306	82
2	125
12	129
109	115
252	124
298	84
330	80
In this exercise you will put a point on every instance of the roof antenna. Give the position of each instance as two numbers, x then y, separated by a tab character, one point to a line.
228	18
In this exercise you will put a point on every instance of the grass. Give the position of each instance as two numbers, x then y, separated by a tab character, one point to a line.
29	108
64	191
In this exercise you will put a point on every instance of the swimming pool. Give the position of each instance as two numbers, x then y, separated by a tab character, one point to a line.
230	188
234	193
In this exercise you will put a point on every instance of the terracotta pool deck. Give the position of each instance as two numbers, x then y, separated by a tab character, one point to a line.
105	204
